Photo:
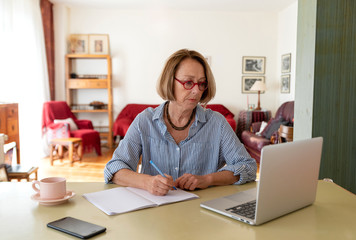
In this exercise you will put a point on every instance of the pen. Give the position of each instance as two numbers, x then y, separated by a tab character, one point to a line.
160	172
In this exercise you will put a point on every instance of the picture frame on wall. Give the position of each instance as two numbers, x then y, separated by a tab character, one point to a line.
285	83
286	63
248	81
78	44
99	44
253	65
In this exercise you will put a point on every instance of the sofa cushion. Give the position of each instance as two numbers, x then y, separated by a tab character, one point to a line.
73	126
84	124
252	141
272	126
127	115
133	109
221	109
262	128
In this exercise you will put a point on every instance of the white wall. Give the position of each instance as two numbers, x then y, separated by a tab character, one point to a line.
141	41
287	43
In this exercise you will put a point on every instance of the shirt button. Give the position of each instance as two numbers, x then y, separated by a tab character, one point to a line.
177	148
176	168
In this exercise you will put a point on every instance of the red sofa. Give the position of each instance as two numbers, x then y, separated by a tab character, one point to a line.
254	143
128	114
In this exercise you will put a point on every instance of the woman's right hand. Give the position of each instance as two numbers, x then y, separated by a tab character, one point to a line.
158	185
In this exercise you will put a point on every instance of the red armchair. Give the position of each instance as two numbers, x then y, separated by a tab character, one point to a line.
53	125
254	143
128	114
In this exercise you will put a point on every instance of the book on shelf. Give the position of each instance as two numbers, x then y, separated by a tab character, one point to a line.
126	199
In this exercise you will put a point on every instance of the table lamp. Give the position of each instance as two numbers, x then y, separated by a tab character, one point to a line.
258	86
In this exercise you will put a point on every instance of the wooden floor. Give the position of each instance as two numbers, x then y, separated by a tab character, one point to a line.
91	169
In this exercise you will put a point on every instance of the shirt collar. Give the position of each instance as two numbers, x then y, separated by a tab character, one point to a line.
158	114
200	114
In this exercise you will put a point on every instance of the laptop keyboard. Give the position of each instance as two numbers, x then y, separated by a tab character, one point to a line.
247	209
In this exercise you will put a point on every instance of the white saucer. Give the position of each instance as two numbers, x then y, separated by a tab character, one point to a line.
51	202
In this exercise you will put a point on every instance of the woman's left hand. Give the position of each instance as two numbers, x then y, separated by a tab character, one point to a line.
191	182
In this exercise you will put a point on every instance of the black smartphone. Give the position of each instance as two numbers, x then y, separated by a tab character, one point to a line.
76	227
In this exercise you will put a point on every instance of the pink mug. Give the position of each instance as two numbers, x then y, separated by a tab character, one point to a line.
50	188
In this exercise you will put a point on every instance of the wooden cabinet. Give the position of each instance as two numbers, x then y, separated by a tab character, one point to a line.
9	124
76	82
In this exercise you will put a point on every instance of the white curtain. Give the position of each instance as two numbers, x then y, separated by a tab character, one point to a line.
23	71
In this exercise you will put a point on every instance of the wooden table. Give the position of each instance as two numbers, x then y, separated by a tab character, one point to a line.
285	134
332	216
73	145
22	172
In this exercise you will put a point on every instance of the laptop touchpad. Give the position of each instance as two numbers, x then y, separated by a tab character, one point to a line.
244	196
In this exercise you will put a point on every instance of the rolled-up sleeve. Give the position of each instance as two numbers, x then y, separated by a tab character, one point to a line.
126	155
236	157
246	171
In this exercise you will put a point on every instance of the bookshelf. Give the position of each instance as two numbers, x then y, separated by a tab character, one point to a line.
76	82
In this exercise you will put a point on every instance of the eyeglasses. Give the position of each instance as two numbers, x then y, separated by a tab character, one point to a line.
190	84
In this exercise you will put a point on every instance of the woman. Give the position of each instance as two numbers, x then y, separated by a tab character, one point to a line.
193	146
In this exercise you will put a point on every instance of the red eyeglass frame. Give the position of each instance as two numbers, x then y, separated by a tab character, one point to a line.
198	83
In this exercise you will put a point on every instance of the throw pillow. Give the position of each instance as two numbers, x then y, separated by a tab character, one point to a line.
263	126
272	127
268	126
70	121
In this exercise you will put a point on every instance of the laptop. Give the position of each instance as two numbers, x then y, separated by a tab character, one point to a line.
288	181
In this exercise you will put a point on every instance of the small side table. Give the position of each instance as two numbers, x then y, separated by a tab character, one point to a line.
74	146
285	134
246	118
21	172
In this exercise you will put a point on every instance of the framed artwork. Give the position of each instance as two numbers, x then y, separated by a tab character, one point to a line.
99	44
248	81
286	63
78	44
285	83
255	65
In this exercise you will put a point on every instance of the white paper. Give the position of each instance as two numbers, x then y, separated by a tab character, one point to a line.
117	200
125	199
171	197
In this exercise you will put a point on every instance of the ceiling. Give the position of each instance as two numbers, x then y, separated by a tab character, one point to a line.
186	5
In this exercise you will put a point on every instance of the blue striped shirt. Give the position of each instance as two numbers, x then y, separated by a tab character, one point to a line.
211	146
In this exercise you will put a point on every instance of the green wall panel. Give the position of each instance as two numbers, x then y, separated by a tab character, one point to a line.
334	108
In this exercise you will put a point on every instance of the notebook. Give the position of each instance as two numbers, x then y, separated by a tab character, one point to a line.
288	182
126	199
